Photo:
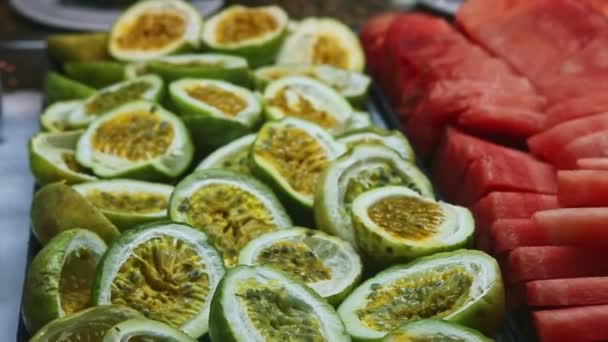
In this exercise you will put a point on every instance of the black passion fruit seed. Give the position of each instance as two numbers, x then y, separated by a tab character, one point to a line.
297	259
112	98
219	98
153	31
245	24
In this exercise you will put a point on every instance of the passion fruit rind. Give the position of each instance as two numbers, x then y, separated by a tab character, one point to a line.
145	201
233	156
375	135
364	167
178	30
60	88
478	303
51	158
338	266
411	226
431	329
78	47
122	249
170	159
96	74
55	117
57	207
222	35
145	328
41	297
231	323
359	120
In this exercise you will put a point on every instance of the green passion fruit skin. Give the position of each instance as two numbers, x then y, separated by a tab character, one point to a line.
230	207
60	88
464	287
308	99
395	224
55	117
155	28
255	33
52	291
145	329
434	330
52	158
375	135
96	74
364	167
165	270
359	120
261	303
138	140
128	203
323	41
87	325
329	265
232	156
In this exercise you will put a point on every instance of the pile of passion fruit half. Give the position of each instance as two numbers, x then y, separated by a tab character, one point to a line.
220	179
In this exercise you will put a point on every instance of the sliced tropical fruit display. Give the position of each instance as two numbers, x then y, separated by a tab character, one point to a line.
261	303
363	168
230	207
55	117
127	202
434	330
52	159
57	207
567	292
255	33
87	325
307	99
147	87
59	278
290	155
145	329
323	41
329	265
78	47
584	323
464	287
352	85
60	88
395	224
359	120
166	271
216	112
139	140
96	74
374	135
155	28
232	156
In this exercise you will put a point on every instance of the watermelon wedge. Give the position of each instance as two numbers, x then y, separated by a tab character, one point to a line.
593	145
592	163
575	226
583	188
585	323
567	292
508	234
373	37
577	107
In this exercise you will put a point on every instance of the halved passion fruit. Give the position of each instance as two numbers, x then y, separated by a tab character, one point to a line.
327	264
139	140
58	281
291	154
434	330
164	270
97	74
87	325
231	207
261	303
359	120
55	117
78	47
463	287
216	112
374	135
233	156
307	99
323	41
52	159
395	224
60	88
365	167
255	33
145	330
127	202
154	28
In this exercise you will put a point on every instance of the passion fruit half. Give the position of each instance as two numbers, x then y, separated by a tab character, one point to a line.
216	112
230	207
261	303
164	270
323	41
463	287
55	117
307	99
364	167
290	155
327	264
255	33
138	140
375	135
395	224
359	120
58	281
60	88
96	74
233	156
128	203
78	47
434	330
154	28
145	330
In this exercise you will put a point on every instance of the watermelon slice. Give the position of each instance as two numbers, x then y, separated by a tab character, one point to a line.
567	292
373	37
514	122
575	226
585	323
583	188
592	163
572	108
508	234
590	146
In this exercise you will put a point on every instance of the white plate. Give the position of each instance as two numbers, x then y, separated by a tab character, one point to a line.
57	13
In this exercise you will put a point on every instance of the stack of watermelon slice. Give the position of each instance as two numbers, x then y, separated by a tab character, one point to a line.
511	112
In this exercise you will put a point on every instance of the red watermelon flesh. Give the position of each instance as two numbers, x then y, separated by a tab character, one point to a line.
577	107
575	226
508	234
584	323
373	36
503	120
592	163
567	292
422	133
590	146
583	188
